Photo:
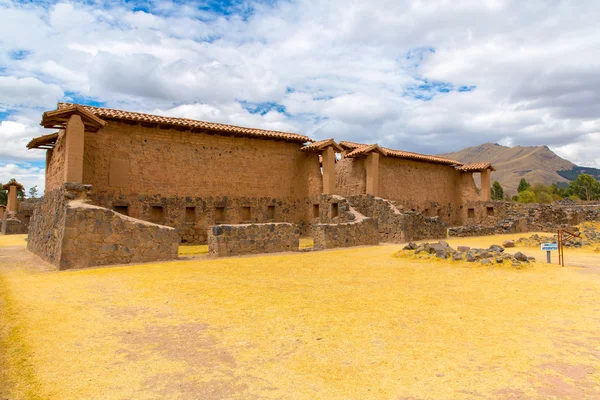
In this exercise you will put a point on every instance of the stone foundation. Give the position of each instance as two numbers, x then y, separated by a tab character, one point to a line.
232	240
396	225
12	226
67	231
361	231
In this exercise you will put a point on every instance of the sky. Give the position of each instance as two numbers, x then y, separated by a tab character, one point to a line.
429	76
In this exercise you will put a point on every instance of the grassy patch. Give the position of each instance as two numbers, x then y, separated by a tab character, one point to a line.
193	250
352	323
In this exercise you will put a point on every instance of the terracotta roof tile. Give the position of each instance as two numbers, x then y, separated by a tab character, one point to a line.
322	144
43	142
120	115
476	167
358	148
364	150
420	157
12	182
351	145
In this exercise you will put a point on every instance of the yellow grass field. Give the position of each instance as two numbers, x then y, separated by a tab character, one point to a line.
355	323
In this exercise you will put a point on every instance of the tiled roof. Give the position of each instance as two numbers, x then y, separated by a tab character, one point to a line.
120	115
43	142
476	167
322	144
58	118
351	145
364	150
12	182
359	148
420	157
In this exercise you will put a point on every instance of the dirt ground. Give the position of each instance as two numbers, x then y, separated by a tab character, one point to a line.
356	323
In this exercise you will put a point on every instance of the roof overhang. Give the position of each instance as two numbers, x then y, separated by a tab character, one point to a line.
476	167
365	150
59	118
321	145
45	142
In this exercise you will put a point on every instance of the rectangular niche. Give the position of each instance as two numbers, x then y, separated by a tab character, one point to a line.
334	210
490	211
471	213
271	213
190	214
246	214
121	209
158	213
316	213
219	215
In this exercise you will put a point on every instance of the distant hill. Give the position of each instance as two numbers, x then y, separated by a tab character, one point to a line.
537	164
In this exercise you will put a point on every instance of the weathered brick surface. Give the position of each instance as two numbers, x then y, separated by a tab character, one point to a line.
231	240
70	233
395	224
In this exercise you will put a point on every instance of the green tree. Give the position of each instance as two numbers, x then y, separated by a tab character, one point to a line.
497	191
3	196
544	197
33	192
523	185
586	187
527	196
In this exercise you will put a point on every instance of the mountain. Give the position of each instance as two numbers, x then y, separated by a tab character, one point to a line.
537	164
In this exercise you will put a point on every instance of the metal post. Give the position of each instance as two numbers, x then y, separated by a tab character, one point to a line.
548	258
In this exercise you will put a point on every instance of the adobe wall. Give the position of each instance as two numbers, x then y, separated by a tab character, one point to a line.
396	225
71	233
429	189
144	168
361	231
55	164
232	240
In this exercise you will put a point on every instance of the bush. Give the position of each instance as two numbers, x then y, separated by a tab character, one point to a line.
527	196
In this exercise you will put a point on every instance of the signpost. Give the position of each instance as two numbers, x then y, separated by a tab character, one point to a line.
563	236
548	248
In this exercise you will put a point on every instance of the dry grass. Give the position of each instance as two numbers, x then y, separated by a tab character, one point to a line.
193	250
347	324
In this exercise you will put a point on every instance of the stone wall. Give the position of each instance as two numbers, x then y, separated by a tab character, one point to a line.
71	233
10	225
360	231
497	217
395	224
232	240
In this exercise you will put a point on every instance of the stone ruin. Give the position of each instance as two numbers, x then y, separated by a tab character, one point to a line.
112	173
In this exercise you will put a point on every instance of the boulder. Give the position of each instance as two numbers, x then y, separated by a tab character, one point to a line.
463	249
471	257
486	261
499	260
457	256
497	248
508	243
520	256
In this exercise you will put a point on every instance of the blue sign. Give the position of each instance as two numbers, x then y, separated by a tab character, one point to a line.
549	246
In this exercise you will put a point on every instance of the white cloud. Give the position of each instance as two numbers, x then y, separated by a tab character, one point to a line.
353	70
27	175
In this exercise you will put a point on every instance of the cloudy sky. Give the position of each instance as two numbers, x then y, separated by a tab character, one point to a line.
424	75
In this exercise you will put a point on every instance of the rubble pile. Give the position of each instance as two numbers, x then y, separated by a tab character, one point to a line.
495	254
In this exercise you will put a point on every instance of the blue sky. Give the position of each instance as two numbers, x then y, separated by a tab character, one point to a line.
431	76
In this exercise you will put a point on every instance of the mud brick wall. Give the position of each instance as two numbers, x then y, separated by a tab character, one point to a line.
68	232
395	224
232	240
359	232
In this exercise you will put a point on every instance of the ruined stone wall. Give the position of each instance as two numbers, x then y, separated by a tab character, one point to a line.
360	231
232	240
17	223
71	233
198	179
483	218
47	224
395	224
55	166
